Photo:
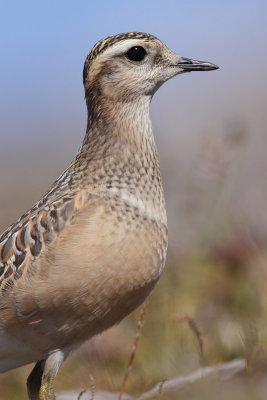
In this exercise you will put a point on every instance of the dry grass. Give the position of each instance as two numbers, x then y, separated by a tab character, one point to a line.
227	303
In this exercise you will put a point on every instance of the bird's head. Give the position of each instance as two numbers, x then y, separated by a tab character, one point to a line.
130	65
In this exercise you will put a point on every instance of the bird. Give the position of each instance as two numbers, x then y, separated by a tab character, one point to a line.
93	247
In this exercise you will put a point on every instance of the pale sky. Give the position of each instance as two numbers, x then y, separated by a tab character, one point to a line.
42	110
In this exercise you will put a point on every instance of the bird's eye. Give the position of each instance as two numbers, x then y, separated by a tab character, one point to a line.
136	53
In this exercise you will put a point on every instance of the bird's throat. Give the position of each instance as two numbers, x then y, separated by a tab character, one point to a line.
119	129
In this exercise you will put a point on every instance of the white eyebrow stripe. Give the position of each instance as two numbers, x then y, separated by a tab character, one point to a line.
112	51
122	47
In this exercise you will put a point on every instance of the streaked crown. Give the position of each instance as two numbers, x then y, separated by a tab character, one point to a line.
109	41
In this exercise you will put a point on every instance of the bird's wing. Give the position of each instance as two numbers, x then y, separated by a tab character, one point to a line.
24	241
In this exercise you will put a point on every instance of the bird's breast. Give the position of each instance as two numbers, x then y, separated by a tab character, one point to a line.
117	245
102	266
113	258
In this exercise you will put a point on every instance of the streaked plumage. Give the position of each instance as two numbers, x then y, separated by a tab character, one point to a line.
91	250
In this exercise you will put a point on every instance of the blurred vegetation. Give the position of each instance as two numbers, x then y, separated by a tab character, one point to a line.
224	294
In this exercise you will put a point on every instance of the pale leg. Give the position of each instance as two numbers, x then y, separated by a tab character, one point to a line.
41	379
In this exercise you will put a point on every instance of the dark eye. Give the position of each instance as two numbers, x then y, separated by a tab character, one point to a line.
136	53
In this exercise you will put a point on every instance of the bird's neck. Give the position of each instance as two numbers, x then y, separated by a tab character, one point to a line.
118	130
118	156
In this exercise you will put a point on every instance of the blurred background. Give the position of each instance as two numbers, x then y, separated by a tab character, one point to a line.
210	130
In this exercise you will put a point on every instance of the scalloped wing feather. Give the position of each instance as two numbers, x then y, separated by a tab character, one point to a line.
23	242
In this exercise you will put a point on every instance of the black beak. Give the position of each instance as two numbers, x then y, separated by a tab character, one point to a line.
193	65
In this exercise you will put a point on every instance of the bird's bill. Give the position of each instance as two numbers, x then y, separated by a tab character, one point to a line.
187	64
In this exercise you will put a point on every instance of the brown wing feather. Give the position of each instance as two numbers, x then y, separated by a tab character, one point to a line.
24	241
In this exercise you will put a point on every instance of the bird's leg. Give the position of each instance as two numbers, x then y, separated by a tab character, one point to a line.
52	365
34	380
41	380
